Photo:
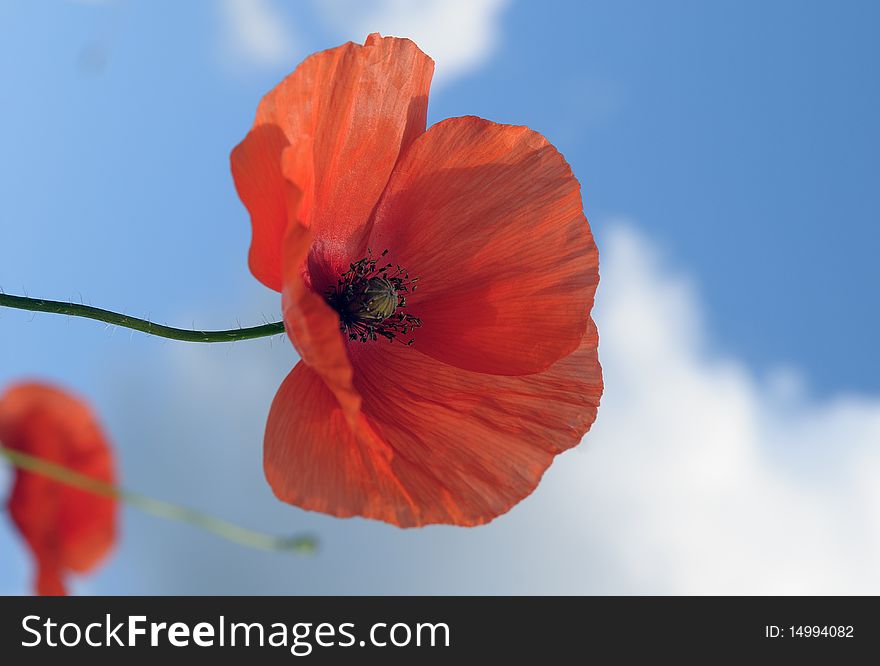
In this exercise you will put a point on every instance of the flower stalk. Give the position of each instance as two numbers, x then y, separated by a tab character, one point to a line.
231	532
142	325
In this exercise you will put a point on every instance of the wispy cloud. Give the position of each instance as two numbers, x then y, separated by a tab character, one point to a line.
256	33
460	35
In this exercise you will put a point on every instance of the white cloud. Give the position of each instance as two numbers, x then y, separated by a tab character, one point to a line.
710	481
256	33
460	35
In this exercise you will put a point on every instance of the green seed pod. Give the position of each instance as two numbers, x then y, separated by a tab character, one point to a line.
375	303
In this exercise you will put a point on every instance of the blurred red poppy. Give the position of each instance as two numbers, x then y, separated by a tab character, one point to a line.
67	530
443	404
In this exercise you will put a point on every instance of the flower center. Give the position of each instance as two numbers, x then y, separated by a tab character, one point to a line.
370	300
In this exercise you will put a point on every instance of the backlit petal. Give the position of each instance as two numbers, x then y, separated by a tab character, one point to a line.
314	459
313	326
256	170
437	444
359	107
490	219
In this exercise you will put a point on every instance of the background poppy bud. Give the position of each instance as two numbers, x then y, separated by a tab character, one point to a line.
67	529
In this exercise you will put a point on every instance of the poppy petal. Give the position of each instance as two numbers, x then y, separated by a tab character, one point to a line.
313	458
490	219
313	326
256	171
360	106
67	529
436	444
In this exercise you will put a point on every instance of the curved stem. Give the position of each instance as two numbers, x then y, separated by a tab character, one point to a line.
142	325
217	526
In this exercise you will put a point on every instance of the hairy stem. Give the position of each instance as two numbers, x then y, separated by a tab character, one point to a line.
142	325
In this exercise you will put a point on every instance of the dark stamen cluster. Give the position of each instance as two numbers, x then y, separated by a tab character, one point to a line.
370	299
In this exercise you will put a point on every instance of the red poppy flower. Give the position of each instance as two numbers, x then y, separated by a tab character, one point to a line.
438	405
67	529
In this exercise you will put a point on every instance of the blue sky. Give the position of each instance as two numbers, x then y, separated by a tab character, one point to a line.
727	152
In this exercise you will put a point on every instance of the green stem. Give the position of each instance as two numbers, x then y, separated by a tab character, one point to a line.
217	526
148	327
